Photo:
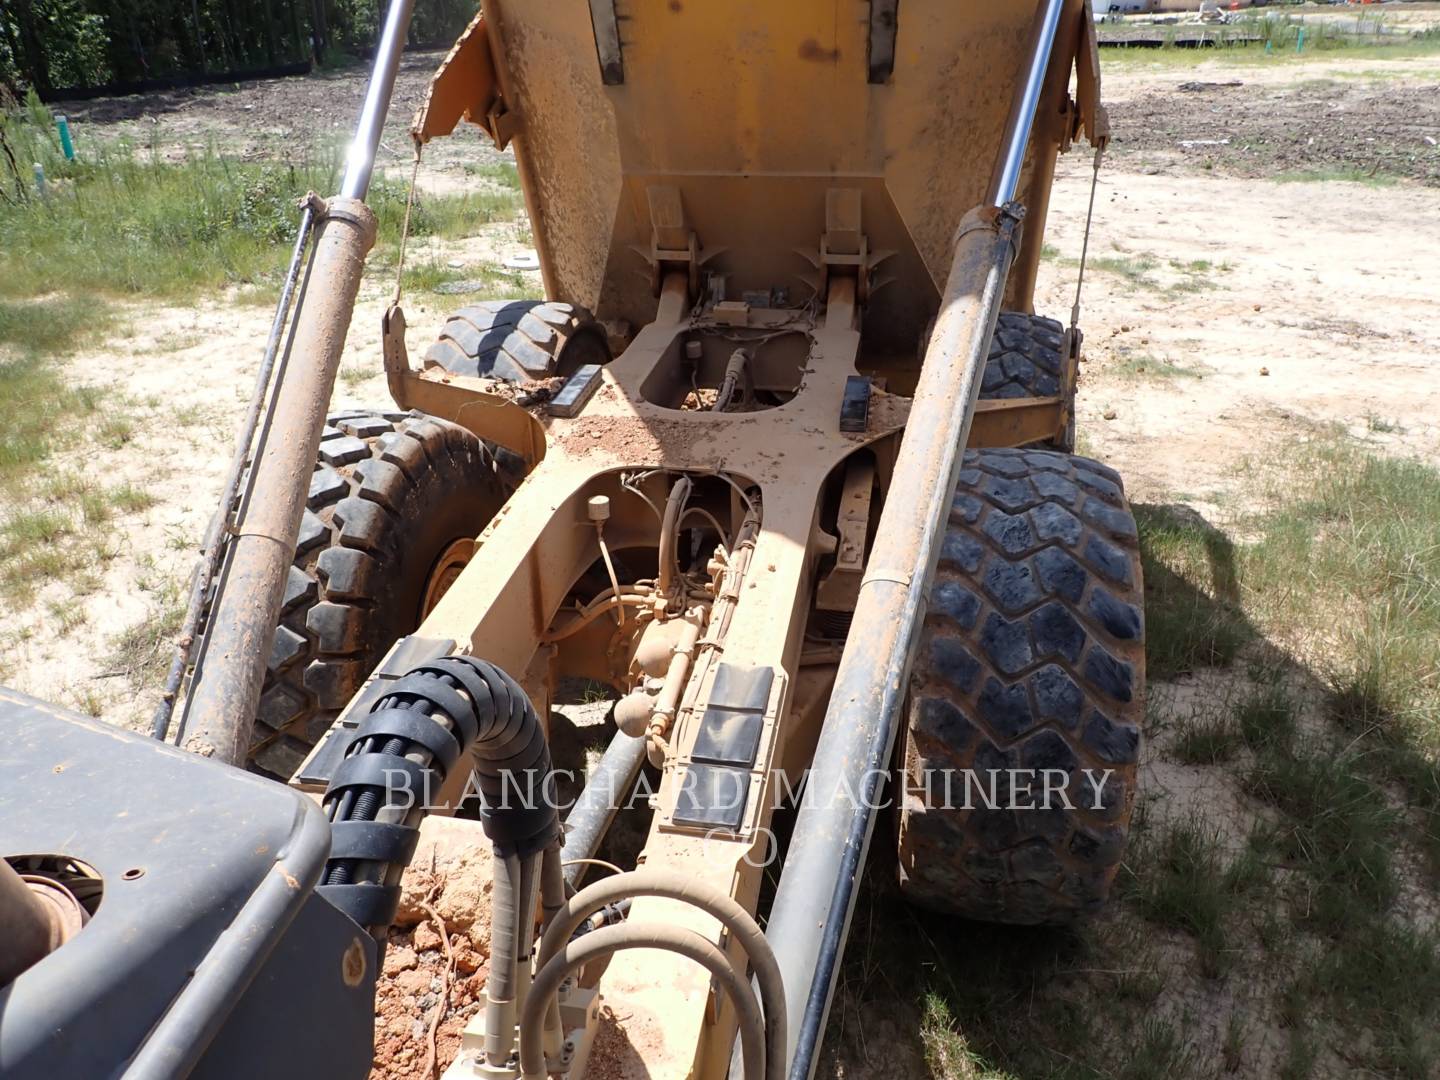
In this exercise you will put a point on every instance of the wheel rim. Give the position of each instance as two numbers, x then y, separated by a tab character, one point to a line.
447	569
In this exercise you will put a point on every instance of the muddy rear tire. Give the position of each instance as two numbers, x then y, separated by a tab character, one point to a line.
519	340
390	495
1031	658
1027	359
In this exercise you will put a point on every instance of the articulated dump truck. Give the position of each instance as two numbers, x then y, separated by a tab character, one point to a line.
783	459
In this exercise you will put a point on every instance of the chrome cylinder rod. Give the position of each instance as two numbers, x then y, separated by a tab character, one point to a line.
220	713
1005	181
360	158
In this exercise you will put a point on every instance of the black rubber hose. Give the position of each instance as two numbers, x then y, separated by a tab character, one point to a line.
400	756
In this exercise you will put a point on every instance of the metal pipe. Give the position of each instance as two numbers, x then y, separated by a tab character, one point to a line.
612	777
1005	181
837	811
215	534
25	926
220	713
360	158
677	674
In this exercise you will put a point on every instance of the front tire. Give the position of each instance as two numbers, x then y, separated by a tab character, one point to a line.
393	499
1030	667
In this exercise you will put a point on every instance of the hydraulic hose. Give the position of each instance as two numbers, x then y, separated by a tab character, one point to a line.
402	752
500	987
612	939
669	525
734	369
673	885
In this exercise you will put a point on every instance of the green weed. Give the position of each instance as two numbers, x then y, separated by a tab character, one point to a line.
1192	592
1368	177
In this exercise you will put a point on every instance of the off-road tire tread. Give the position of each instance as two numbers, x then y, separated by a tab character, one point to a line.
1026	359
1031	656
359	514
518	340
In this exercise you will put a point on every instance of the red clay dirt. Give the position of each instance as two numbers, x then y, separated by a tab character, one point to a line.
424	986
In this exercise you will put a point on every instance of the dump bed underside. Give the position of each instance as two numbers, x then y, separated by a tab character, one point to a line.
750	111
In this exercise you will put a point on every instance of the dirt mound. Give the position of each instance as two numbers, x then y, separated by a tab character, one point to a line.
429	986
1370	129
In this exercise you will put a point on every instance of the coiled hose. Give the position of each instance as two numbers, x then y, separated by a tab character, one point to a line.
762	1036
401	754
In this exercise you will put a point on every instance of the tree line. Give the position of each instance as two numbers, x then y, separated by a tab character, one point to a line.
58	45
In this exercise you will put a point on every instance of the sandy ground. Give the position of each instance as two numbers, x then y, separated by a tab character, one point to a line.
1313	311
185	375
1224	316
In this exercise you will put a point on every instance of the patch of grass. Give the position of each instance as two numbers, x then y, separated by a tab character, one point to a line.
1382	977
1193	617
1245	40
1141	985
1232	1050
1206	740
502	173
1350	554
142	651
94	507
977	1000
56	528
440	283
23	574
43	413
1193	266
46	324
1136	269
124	221
1368	177
179	341
947	1051
1301	1052
89	702
1161	1051
1137	366
129	499
86	583
1338	827
68	615
352	376
1266	719
1379	425
34	528
115	431
1182	881
1193	275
